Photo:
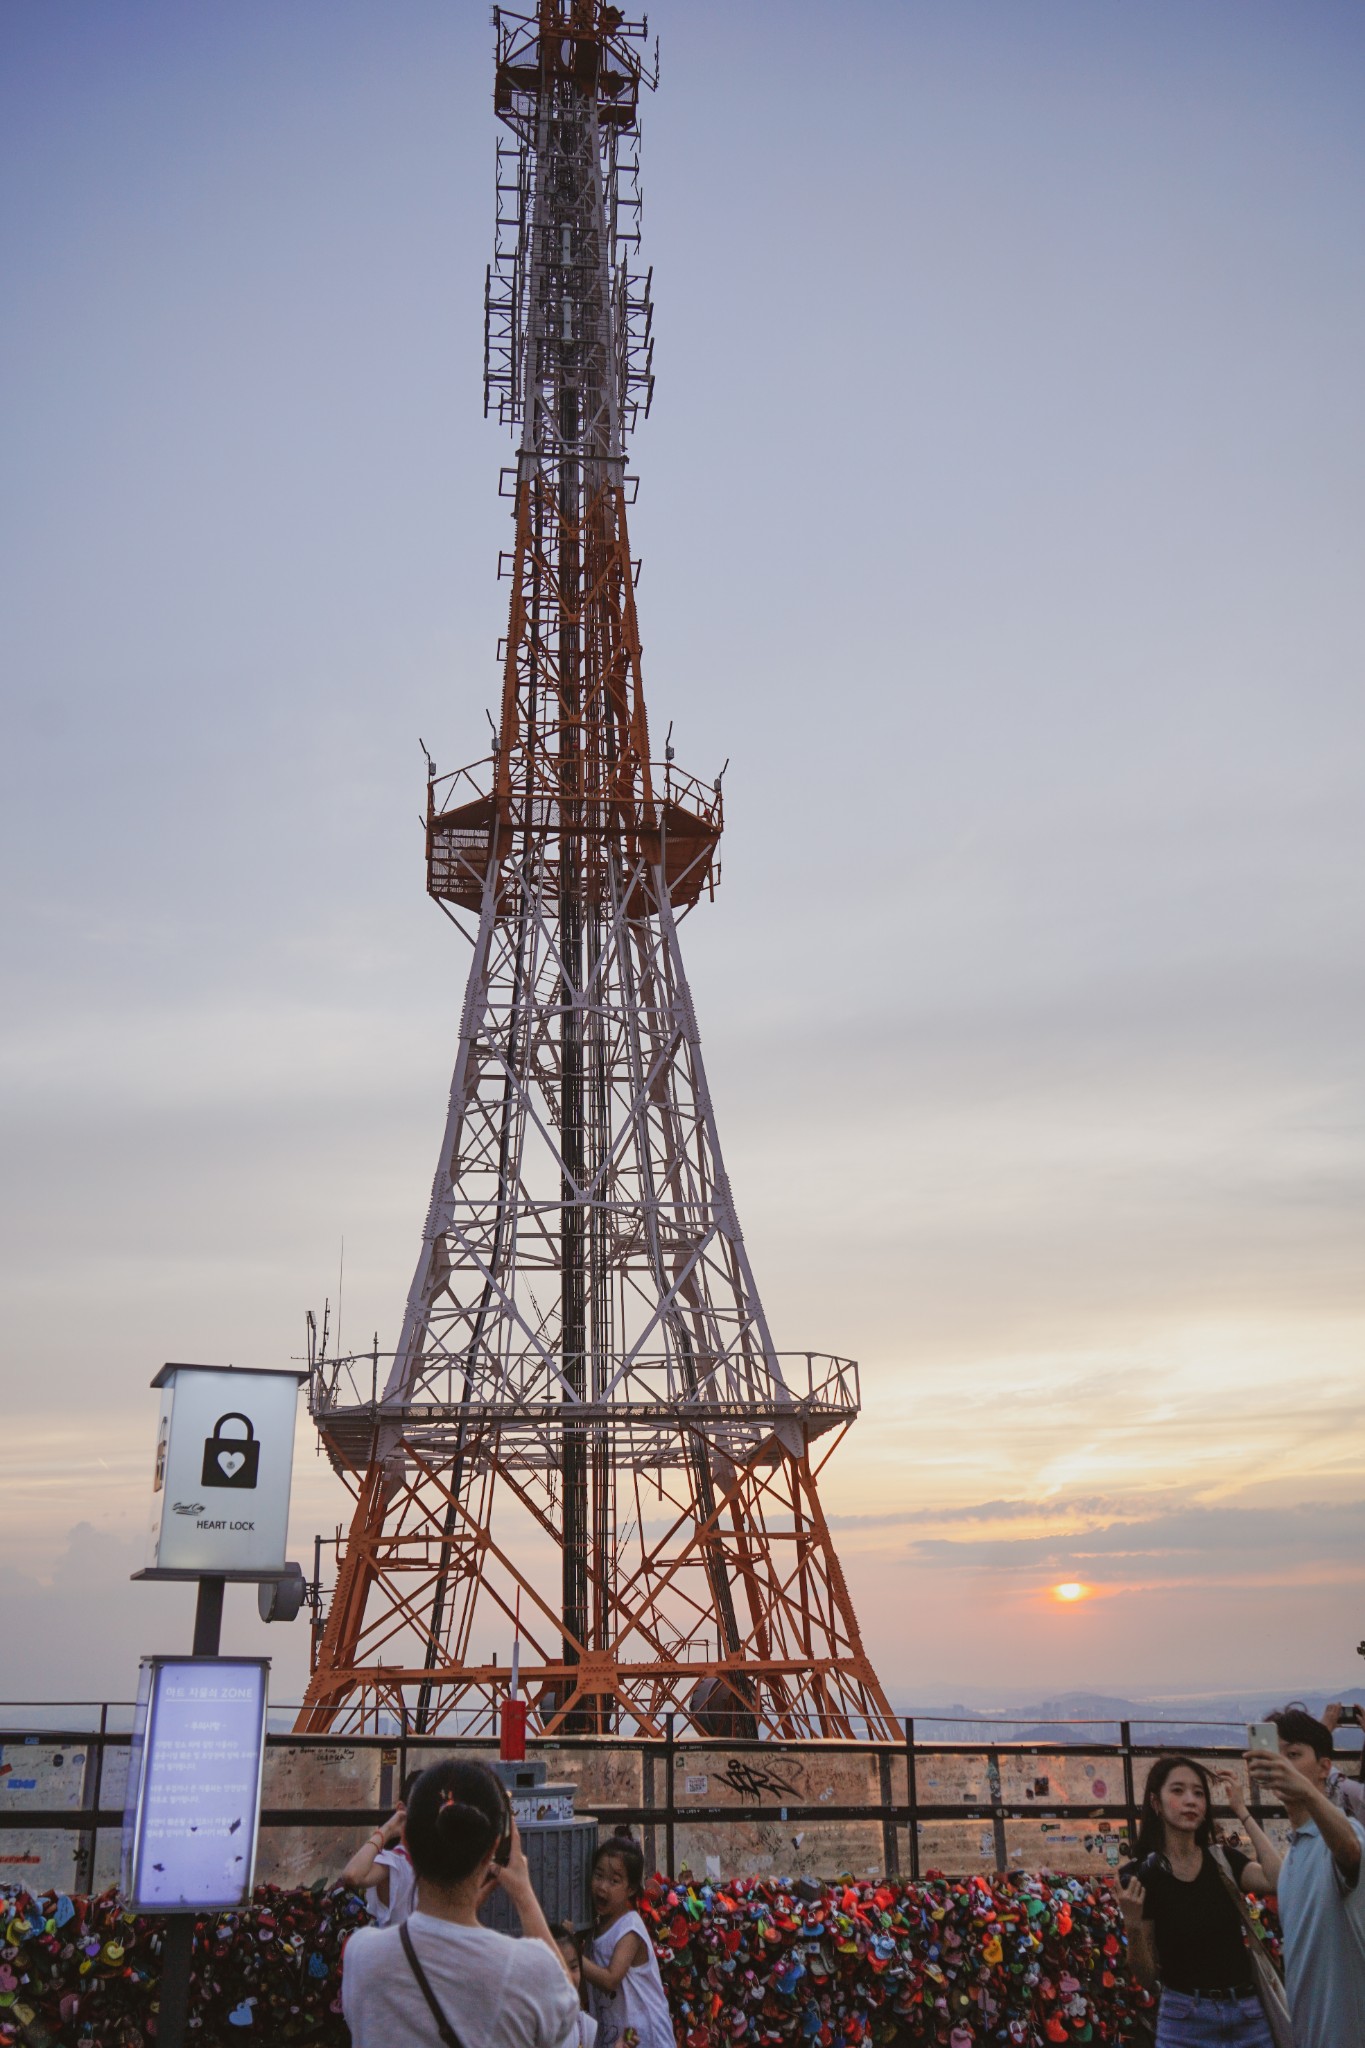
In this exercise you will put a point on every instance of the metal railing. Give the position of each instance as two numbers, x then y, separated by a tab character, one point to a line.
647	1389
758	1779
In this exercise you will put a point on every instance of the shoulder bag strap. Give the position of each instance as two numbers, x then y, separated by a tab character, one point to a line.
1269	1988
443	2027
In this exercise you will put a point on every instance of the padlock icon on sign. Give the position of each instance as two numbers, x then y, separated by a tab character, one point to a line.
231	1460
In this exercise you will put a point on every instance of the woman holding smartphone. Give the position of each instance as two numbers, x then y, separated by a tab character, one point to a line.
1184	1928
443	1977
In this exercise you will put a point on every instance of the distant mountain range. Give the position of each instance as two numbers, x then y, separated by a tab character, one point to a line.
1184	1722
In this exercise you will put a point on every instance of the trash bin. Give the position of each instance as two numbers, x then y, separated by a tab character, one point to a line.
558	1844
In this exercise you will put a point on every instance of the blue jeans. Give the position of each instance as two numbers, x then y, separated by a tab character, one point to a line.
1189	2020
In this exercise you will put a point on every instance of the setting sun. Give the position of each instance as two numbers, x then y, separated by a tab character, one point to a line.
1070	1591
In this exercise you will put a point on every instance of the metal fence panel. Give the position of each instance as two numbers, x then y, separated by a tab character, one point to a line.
43	1773
713	1809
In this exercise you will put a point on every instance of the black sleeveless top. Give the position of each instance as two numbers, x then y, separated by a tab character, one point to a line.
1200	1943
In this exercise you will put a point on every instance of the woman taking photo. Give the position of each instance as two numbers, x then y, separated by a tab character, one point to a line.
1185	1928
442	1977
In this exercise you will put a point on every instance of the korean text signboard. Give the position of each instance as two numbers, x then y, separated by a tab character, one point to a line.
194	1783
224	1461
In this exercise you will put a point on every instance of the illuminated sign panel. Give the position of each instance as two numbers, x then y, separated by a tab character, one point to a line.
224	1462
194	1783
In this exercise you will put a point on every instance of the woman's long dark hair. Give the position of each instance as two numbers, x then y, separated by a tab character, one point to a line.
1151	1839
457	1815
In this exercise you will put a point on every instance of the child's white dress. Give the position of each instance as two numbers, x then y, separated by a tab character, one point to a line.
636	2015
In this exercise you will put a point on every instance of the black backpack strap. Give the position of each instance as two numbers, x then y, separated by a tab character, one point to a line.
443	2026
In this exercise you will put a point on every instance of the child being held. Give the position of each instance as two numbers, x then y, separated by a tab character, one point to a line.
626	1990
569	1946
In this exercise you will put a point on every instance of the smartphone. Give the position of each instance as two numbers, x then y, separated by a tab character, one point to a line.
1263	1735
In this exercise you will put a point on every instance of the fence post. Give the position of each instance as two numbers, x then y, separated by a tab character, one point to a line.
670	1793
890	1852
1002	1853
1129	1787
912	1797
403	1765
651	1833
91	1799
91	1788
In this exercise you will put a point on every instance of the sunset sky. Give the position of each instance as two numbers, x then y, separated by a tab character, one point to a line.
1002	514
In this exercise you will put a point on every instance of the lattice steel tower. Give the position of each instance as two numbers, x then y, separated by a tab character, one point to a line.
585	1422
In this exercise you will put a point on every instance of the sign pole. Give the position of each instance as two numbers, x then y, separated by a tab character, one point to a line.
208	1617
177	1952
177	1944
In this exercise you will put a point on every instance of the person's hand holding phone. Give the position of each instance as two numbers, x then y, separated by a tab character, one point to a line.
515	1874
497	1874
1274	1774
515	1878
1132	1899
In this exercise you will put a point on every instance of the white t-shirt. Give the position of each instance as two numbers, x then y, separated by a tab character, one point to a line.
402	1888
495	1991
637	2016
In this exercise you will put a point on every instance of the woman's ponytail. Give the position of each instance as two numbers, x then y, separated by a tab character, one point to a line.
457	1815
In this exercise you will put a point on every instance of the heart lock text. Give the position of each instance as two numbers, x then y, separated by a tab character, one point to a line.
231	1460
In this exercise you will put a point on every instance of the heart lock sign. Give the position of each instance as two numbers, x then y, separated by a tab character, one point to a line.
231	1460
220	1486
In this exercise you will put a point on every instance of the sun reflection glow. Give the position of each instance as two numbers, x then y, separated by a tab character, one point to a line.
1070	1591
